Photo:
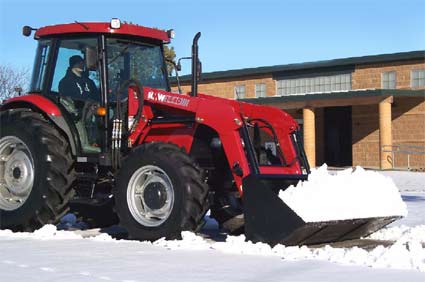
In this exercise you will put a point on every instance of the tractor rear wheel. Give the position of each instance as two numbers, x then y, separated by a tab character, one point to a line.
160	192
36	171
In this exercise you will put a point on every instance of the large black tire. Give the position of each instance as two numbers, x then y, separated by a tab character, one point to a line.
189	192
53	171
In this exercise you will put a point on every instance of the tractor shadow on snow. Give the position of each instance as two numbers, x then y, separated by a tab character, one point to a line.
413	198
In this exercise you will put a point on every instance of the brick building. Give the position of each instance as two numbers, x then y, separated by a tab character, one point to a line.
353	111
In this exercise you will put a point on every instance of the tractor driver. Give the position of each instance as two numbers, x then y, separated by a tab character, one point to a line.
76	84
81	98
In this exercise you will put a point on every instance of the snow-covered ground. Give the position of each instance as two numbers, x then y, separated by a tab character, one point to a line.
51	255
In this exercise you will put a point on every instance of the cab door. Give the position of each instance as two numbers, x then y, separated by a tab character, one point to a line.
76	82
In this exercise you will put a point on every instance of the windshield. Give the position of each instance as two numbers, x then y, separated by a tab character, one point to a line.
135	60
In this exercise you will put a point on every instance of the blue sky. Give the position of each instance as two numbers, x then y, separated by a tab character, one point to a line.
236	34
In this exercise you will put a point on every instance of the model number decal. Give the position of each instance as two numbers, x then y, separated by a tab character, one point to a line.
164	98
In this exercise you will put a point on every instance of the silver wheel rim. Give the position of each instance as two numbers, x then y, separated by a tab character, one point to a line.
16	173
140	182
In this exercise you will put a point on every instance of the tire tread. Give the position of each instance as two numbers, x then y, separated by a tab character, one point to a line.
61	175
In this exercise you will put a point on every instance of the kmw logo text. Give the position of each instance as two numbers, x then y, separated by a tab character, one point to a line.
164	98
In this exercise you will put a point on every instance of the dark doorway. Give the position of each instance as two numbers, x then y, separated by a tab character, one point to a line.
338	148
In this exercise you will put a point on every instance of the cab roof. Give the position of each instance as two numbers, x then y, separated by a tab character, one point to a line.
102	27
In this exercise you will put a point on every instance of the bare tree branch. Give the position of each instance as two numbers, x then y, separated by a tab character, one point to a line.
12	78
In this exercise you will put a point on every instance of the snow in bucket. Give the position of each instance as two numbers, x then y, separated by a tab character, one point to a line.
347	194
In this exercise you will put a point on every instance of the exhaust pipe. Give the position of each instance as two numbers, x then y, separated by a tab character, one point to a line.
195	65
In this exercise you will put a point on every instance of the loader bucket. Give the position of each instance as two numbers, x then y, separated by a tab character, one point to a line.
268	219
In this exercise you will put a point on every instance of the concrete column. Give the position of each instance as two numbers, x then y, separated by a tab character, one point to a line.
310	135
385	135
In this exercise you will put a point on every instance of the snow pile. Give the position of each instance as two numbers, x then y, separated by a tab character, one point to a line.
345	195
401	233
189	241
103	238
401	255
239	245
407	253
47	232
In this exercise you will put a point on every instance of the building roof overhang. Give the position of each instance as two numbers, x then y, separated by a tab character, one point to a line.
331	99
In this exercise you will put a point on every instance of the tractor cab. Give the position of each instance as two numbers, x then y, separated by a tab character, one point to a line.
84	66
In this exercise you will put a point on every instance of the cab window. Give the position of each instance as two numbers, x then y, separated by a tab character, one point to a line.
87	81
135	60
40	64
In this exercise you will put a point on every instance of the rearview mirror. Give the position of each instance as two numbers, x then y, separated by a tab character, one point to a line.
27	30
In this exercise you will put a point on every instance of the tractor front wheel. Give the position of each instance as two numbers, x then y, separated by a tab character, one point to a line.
160	192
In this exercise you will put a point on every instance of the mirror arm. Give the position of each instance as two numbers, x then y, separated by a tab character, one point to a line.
176	68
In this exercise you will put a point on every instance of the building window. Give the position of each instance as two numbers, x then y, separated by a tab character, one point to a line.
240	91
330	83
418	78
388	80
260	90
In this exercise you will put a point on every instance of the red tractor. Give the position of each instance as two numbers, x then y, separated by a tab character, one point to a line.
100	126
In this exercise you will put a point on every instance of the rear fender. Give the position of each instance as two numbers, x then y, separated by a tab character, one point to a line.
45	107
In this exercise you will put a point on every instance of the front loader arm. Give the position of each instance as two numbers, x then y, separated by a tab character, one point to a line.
229	119
174	118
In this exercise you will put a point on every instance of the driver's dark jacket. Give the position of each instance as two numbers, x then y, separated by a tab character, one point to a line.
80	88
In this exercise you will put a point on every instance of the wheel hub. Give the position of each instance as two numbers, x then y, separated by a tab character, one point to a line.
16	173
150	196
155	195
